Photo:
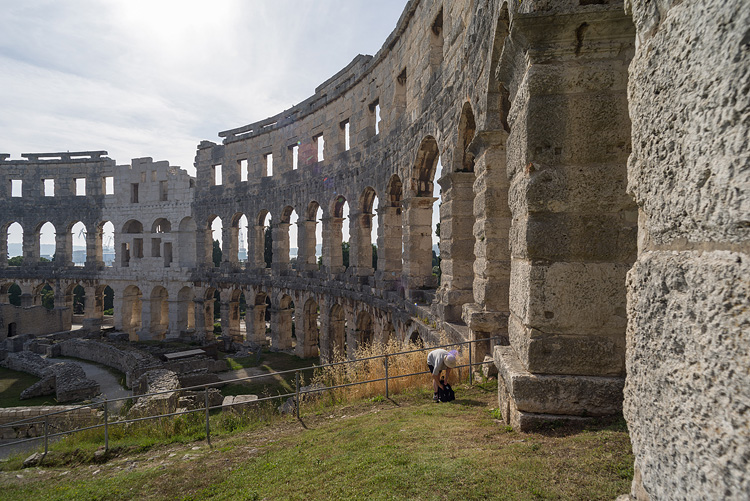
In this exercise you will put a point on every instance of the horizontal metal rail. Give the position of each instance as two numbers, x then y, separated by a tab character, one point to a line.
297	394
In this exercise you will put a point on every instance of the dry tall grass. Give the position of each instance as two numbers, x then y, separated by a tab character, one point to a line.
406	371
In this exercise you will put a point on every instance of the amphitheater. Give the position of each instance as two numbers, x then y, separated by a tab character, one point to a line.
594	220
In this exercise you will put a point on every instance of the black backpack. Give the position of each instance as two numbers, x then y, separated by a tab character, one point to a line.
447	394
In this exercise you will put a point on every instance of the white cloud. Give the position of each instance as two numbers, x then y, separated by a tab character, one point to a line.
155	77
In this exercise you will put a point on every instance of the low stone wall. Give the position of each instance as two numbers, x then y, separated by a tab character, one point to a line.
71	420
66	380
36	320
131	362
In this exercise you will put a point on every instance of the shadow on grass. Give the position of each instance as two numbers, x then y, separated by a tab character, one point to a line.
570	428
469	402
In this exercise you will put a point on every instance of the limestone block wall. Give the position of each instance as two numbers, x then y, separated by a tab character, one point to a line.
688	388
37	320
133	363
73	419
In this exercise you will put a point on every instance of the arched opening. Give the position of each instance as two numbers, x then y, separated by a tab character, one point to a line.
159	312
337	333
105	244
216	247
365	225
310	330
104	306
418	230
186	243
239	237
44	295
46	242
79	303
14	244
364	334
161	225
131	311
455	266
10	293
282	239
336	252
290	217
390	241
77	244
132	245
267	240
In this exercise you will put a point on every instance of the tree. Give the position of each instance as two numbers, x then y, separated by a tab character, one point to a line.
217	254
15	261
48	297
437	230
268	248
14	294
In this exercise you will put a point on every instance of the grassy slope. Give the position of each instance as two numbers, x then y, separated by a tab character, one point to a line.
402	449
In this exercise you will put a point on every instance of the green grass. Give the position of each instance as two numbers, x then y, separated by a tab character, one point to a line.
12	383
270	361
403	448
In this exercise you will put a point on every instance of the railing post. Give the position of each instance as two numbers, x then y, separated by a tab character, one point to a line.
296	384
386	377
106	429
46	433
471	369
208	426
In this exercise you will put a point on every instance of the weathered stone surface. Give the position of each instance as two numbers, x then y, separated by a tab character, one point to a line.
549	394
688	387
237	403
159	380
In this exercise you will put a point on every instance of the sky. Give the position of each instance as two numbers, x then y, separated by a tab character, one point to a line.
152	78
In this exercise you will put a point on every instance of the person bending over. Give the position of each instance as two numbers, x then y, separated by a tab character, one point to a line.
437	361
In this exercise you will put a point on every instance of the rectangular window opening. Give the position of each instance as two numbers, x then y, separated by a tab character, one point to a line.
167	254
49	187
269	164
217	175
320	142
295	156
156	247
109	185
345	132
242	165
16	188
375	116
436	42
138	247
81	187
399	99
134	193
163	191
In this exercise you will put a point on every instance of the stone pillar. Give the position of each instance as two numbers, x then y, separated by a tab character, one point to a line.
332	235
93	309
200	320
175	325
417	270
94	250
281	328
351	338
306	260
230	236
326	346
255	258
234	321
4	249
280	247
145	333
63	249
30	247
390	244
456	244
573	225
360	247
225	323
255	323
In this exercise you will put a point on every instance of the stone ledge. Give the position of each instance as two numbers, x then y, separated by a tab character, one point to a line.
566	395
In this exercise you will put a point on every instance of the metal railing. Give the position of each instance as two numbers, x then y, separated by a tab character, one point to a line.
207	408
